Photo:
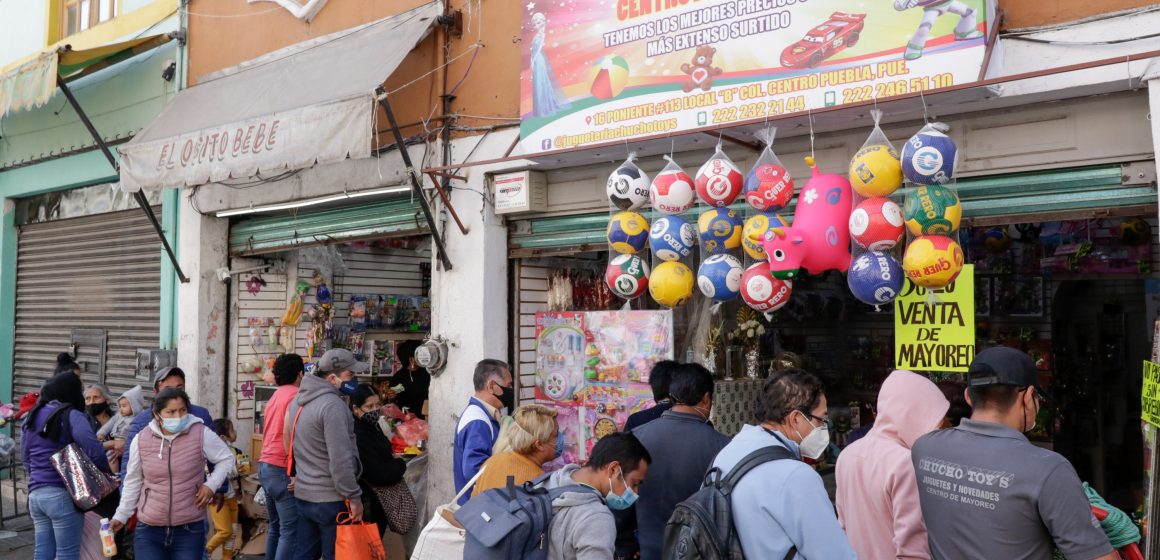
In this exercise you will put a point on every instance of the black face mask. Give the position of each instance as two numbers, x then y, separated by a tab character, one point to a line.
97	409
508	398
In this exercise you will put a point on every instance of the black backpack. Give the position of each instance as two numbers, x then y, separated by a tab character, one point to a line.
701	527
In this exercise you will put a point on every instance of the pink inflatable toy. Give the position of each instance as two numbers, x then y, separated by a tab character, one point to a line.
819	237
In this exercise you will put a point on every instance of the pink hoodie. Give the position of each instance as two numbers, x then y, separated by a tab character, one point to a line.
877	496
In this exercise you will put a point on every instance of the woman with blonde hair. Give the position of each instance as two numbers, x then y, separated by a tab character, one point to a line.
531	439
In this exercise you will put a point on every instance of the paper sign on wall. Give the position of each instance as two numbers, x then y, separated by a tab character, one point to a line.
1150	395
936	334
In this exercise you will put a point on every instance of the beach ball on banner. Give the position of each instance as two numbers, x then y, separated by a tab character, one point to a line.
608	76
627	276
672	190
671	284
761	291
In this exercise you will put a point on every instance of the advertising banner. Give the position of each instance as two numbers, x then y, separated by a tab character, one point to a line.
936	333
1150	394
597	71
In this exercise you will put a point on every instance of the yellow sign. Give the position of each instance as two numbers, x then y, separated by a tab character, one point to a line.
1150	395
936	331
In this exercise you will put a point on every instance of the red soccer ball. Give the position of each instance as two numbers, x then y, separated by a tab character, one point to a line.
719	182
762	291
768	188
877	224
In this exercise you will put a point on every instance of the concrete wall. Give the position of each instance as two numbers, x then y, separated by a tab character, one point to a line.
22	26
202	306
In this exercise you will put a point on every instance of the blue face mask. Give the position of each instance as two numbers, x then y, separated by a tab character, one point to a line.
621	501
175	425
559	443
348	387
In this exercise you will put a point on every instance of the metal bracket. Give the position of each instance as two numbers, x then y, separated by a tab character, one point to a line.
447	201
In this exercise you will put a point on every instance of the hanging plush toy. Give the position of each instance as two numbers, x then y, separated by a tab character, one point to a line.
819	239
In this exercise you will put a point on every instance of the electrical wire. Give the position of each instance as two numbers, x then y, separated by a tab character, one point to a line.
474	47
1083	43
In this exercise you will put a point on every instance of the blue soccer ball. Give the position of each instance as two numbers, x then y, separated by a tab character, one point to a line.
719	277
875	278
929	158
672	238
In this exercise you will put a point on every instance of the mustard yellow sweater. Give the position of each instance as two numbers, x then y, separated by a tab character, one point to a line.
502	465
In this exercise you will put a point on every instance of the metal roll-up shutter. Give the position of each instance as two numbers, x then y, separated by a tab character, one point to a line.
301	228
95	281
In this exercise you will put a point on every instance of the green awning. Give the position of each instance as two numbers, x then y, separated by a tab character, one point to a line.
34	82
395	217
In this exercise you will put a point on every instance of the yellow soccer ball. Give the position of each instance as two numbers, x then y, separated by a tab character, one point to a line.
671	284
933	261
719	230
876	171
753	234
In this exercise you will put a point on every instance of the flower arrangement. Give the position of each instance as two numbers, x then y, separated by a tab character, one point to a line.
749	329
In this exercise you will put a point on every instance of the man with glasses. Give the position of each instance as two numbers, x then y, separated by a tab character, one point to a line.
478	426
780	507
986	491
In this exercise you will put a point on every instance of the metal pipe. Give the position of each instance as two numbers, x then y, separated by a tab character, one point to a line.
441	251
139	196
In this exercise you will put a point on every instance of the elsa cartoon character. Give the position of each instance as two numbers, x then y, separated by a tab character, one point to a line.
967	28
547	99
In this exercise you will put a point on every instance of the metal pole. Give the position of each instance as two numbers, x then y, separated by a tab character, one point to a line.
139	196
441	251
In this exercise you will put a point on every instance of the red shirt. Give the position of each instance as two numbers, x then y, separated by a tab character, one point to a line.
273	424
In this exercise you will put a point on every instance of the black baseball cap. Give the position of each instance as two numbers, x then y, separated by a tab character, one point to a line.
1003	365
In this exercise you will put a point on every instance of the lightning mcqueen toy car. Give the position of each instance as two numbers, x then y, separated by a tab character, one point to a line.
841	31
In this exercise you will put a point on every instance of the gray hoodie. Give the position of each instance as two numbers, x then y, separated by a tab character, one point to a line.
325	454
582	526
117	425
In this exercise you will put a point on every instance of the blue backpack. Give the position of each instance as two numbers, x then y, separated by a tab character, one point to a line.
511	523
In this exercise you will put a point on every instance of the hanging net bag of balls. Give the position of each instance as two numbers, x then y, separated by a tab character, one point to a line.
932	211
672	239
875	276
627	273
768	190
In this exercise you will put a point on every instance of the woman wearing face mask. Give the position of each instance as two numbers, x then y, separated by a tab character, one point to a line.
531	439
165	480
97	405
380	468
781	507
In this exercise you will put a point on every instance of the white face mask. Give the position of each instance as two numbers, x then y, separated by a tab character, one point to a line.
816	442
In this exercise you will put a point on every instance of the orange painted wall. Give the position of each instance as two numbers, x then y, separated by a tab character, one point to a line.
1033	13
224	33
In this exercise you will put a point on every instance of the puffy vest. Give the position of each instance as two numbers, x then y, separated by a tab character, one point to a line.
173	473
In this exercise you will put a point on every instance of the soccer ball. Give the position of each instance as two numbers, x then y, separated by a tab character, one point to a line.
627	276
753	234
933	261
627	232
875	278
672	238
929	158
876	171
719	182
768	188
1135	231
671	284
762	291
996	239
672	191
719	277
719	230
627	187
876	224
932	210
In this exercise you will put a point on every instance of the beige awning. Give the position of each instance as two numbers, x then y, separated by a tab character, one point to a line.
306	104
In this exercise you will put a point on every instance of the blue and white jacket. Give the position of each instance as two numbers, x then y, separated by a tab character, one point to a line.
475	435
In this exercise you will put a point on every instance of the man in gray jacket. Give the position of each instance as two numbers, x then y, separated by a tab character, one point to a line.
582	526
324	457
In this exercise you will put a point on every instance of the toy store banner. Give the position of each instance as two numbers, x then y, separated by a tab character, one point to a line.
935	331
596	72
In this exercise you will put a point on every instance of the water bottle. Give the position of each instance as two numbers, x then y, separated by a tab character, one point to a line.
108	544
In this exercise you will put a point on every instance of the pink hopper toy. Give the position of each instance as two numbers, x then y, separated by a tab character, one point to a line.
819	239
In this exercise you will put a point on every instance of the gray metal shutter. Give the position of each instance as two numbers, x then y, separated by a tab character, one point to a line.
91	280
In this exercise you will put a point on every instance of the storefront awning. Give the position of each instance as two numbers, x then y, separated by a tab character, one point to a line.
33	83
310	103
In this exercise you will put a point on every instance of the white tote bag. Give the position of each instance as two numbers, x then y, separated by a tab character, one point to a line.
442	538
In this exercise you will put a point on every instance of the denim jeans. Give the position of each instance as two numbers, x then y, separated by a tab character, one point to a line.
180	542
283	510
317	529
57	524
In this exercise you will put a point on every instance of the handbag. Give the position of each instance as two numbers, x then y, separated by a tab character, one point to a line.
87	485
443	537
399	506
357	540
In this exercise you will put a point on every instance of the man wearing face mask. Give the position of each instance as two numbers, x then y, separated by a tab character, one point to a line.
781	508
323	452
582	526
986	491
478	426
682	445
